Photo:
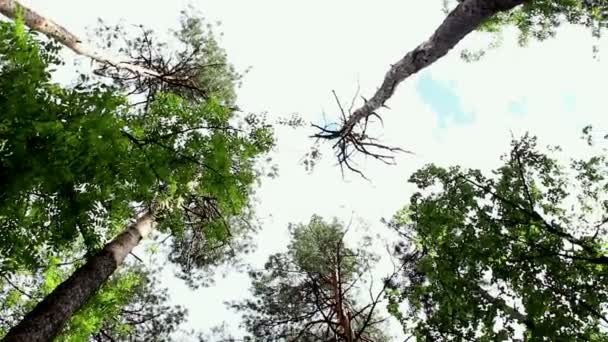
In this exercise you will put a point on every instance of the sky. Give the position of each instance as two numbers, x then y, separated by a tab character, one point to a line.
451	113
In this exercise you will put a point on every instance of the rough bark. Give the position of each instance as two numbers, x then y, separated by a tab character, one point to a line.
51	29
343	320
465	18
47	319
336	284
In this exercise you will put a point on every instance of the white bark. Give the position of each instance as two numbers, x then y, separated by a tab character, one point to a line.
120	248
51	29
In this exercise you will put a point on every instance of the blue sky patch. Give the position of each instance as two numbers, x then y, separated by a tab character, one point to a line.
444	100
519	107
569	102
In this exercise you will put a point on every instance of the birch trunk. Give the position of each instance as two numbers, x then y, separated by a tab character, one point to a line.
51	29
47	319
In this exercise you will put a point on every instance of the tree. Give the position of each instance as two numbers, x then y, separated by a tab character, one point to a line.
130	306
523	249
48	27
218	333
142	311
81	163
311	292
193	64
534	18
199	70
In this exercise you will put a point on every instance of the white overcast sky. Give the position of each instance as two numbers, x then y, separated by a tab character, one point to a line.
452	113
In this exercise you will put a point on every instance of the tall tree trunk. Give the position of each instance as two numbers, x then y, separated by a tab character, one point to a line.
49	316
461	21
465	18
336	286
343	320
51	29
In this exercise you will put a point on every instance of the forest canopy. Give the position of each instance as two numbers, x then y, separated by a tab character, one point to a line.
145	175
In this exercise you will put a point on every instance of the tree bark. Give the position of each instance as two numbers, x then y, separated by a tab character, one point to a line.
336	286
343	320
465	18
47	319
53	30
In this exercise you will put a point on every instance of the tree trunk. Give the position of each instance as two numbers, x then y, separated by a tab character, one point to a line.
53	30
49	316
343	320
465	18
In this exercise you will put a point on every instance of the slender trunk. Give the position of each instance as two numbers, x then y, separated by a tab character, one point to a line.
49	316
343	320
336	284
51	29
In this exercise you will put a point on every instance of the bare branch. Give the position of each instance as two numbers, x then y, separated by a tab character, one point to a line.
17	288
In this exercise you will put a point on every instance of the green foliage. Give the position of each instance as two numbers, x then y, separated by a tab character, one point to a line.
76	158
297	295
77	163
130	306
192	57
539	19
217	75
219	334
55	140
107	303
53	276
315	245
214	149
522	248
